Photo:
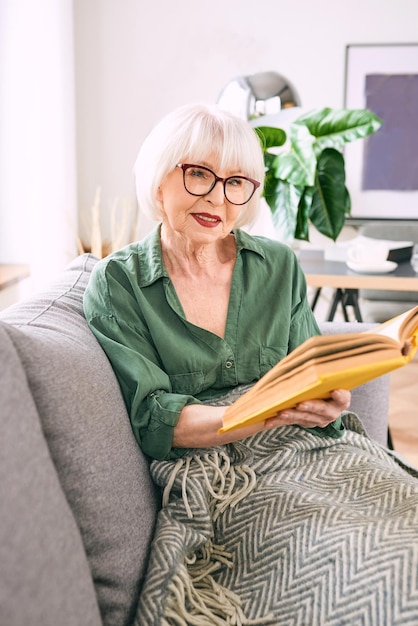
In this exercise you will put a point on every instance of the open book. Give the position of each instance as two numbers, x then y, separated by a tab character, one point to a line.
324	363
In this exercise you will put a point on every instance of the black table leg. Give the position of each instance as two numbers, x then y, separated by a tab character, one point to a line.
315	298
345	297
351	299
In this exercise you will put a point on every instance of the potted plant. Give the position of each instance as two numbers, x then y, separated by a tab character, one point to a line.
305	170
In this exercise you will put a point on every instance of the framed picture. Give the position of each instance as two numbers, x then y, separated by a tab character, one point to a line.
382	170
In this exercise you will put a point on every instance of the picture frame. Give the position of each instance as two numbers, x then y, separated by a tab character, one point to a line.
382	169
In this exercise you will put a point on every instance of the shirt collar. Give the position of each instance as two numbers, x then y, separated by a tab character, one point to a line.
150	259
245	241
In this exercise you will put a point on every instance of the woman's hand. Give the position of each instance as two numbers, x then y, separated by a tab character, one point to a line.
199	424
313	412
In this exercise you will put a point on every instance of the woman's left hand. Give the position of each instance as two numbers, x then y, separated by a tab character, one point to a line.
313	412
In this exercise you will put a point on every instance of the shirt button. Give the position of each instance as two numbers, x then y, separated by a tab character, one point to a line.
229	364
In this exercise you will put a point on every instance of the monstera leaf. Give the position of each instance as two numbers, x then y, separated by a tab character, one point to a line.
330	200
305	172
332	128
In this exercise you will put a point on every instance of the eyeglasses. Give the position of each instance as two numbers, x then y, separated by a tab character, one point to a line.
199	181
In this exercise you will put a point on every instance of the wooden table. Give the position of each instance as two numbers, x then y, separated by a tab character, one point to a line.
322	273
12	274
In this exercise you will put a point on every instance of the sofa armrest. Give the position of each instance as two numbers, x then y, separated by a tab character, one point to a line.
45	576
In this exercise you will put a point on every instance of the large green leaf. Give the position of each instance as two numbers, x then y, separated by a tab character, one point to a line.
335	127
298	165
269	163
302	219
330	201
288	167
285	208
270	137
271	186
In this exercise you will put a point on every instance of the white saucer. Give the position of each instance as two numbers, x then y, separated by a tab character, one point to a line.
382	268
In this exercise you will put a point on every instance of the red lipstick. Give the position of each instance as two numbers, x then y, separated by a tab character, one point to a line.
207	220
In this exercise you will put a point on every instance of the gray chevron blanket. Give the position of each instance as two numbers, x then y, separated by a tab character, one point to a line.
285	529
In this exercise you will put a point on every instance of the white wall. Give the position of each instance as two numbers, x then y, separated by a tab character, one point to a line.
38	205
134	62
137	60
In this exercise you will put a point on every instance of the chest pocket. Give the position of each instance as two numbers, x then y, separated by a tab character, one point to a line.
269	356
188	384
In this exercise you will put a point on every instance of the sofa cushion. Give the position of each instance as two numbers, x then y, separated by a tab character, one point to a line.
103	472
46	577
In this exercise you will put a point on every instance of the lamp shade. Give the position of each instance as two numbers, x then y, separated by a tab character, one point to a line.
264	93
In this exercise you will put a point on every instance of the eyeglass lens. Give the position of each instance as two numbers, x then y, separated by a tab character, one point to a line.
199	181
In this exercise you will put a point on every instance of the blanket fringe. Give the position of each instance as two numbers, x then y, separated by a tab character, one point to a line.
201	602
221	478
196	599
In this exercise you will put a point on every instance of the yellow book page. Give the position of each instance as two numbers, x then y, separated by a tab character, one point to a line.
340	360
257	398
399	328
323	345
315	387
327	354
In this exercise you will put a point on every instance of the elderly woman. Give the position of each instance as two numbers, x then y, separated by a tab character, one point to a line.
200	306
269	524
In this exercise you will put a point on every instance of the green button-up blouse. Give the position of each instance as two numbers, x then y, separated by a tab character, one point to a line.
162	361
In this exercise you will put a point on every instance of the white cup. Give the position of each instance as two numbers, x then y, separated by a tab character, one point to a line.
368	253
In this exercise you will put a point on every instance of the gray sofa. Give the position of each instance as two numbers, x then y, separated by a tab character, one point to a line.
78	507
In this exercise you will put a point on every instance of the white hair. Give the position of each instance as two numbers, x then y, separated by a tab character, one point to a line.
190	134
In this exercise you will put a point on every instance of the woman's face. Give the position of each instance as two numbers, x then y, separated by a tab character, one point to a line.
200	218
